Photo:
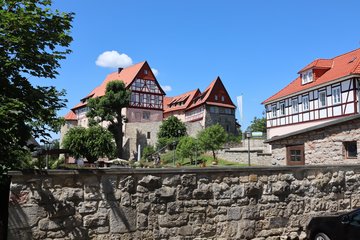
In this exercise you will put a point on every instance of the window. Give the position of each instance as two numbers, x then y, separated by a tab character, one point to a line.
307	77
214	109
148	135
350	149
145	71
216	97
322	99
305	103
336	95
282	109
295	105
273	109
146	115
223	98
295	155
227	110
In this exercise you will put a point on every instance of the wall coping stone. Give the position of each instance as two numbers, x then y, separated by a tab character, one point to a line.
127	171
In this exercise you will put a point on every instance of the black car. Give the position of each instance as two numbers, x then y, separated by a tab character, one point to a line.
341	227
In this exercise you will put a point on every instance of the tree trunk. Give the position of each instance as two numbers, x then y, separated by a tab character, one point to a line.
119	138
4	204
214	156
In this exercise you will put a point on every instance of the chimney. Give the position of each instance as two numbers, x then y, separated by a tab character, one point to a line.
120	69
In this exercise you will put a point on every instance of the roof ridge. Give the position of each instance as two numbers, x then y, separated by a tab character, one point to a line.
346	53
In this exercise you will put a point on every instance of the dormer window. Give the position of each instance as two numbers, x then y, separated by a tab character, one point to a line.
307	77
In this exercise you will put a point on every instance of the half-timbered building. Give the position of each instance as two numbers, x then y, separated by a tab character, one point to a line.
325	92
203	109
146	106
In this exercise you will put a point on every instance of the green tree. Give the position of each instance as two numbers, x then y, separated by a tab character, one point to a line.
108	108
91	143
147	152
33	39
212	138
171	129
188	147
258	125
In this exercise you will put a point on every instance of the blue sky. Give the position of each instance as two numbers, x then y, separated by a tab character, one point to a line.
256	47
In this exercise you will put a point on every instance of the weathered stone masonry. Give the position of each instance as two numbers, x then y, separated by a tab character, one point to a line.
210	203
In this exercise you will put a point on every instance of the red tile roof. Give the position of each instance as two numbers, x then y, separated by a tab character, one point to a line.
127	75
70	116
341	66
204	97
319	63
170	103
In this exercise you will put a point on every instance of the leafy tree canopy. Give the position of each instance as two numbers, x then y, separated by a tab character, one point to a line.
171	129
212	138
33	39
188	147
108	108
91	143
258	125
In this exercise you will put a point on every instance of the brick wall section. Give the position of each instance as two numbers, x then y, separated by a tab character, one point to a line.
209	203
322	146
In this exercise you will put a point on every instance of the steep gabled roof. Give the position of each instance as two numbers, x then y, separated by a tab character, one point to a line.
127	75
173	103
338	67
204	97
70	116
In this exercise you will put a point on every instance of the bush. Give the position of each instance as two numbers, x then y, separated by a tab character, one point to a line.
147	152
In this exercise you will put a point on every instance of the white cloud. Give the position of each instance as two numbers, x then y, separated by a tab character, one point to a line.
155	71
113	59
166	88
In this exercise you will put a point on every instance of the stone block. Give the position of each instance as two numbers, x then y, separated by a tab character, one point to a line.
188	180
60	209
25	216
234	213
92	193
122	219
87	207
171	221
142	221
204	191
150	182
127	184
166	192
173	180
95	220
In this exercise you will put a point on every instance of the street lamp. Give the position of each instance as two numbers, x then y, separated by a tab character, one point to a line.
248	136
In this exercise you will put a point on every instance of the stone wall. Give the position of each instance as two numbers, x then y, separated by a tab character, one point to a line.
257	157
227	121
321	146
138	133
210	203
